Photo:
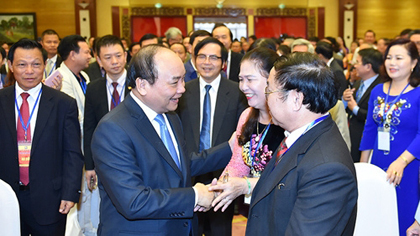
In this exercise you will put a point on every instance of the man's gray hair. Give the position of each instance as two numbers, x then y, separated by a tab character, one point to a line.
303	42
172	33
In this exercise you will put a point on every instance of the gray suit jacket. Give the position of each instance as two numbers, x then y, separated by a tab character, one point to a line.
312	191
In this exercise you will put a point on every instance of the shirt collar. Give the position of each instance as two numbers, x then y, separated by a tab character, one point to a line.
214	84
369	81
330	61
121	80
151	114
33	92
293	136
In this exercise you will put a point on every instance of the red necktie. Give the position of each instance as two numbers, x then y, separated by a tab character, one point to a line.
115	96
282	149
24	111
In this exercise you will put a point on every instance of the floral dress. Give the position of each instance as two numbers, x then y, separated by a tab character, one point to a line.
401	118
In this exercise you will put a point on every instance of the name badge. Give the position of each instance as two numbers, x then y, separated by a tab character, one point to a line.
247	199
24	152
383	140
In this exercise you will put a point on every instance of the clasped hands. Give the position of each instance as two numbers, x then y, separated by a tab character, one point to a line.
219	194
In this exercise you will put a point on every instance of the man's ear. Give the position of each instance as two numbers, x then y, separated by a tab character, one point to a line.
297	99
142	86
9	63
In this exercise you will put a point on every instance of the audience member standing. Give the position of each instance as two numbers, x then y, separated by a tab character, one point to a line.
40	156
190	68
50	41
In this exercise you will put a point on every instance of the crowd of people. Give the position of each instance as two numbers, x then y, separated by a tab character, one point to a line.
168	134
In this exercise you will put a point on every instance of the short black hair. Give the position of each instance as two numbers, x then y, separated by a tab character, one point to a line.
223	50
132	45
108	40
370	31
313	39
68	44
325	49
49	32
253	37
416	31
25	44
264	42
185	49
285	49
405	31
373	57
198	33
306	73
147	37
217	25
142	65
95	43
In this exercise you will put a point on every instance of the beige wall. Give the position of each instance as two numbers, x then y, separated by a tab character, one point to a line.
50	14
331	15
387	18
104	15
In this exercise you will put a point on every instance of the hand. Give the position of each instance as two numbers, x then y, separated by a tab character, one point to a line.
205	197
414	229
91	179
65	206
232	140
348	94
395	171
230	191
58	82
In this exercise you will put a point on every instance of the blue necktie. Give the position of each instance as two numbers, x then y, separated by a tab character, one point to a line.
205	125
166	138
359	93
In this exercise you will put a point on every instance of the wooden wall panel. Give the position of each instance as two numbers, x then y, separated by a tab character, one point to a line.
387	17
50	14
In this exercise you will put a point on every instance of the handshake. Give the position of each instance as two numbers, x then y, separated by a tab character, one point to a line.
219	194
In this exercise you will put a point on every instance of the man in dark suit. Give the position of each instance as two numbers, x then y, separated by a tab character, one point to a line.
41	158
233	62
50	41
94	70
309	186
367	65
140	155
190	68
102	95
325	52
227	104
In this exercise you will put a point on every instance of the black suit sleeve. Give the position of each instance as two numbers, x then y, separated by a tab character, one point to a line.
89	125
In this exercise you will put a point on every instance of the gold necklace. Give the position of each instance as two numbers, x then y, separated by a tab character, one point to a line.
258	132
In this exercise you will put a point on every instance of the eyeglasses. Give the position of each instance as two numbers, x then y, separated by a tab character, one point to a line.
212	58
270	92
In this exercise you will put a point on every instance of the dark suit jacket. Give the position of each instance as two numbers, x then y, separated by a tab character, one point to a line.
339	75
189	71
55	170
58	62
235	63
142	190
312	191
357	122
96	106
230	104
94	71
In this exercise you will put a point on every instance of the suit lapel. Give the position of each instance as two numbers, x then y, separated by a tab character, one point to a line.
368	90
102	93
194	109
220	109
8	104
273	175
146	129
46	105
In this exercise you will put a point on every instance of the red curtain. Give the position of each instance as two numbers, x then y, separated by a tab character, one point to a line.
267	27
156	25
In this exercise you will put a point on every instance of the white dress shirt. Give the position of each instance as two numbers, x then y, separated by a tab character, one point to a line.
33	95
120	88
213	99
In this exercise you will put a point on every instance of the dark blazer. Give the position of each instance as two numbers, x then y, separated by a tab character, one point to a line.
58	62
55	170
357	122
142	190
189	75
339	75
312	191
230	104
235	63
94	71
96	106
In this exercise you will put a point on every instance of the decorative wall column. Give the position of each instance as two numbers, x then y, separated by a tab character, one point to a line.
85	11
348	20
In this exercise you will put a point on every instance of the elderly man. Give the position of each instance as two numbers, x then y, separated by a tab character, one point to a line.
41	157
309	186
173	35
141	158
302	45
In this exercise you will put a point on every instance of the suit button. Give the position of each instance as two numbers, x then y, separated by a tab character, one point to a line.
171	215
185	224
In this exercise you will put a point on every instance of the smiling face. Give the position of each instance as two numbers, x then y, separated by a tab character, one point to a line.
83	57
209	68
113	59
253	84
164	94
27	67
398	63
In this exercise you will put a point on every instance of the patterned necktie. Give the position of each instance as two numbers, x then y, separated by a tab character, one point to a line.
48	68
115	100
359	93
281	150
24	111
166	138
205	125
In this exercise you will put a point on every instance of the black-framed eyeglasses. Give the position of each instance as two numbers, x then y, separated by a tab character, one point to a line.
212	58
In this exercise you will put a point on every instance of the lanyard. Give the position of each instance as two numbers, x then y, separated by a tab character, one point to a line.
312	124
51	70
120	93
258	144
25	127
393	101
83	84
